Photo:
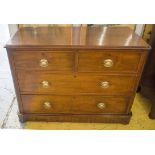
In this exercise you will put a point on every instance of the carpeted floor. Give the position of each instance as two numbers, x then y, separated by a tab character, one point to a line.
139	121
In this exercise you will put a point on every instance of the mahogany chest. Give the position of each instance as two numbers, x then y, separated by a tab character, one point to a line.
78	74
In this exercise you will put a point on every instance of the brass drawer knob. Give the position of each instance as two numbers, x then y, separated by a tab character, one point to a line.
101	105
43	63
104	84
108	63
47	105
45	84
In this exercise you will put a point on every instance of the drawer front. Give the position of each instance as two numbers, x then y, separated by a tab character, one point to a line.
82	83
74	104
54	61
111	61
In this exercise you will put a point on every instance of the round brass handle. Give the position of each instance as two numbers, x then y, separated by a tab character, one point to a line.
43	63
47	105
108	63
104	84
101	105
45	84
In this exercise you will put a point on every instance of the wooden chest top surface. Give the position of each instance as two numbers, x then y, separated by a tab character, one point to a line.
77	37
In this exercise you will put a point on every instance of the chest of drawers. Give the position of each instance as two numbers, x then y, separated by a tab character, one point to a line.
77	74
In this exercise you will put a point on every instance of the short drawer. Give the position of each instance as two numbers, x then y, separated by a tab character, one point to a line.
54	61
74	104
108	60
82	83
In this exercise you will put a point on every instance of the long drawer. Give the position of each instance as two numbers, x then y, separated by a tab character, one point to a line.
30	82
74	104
